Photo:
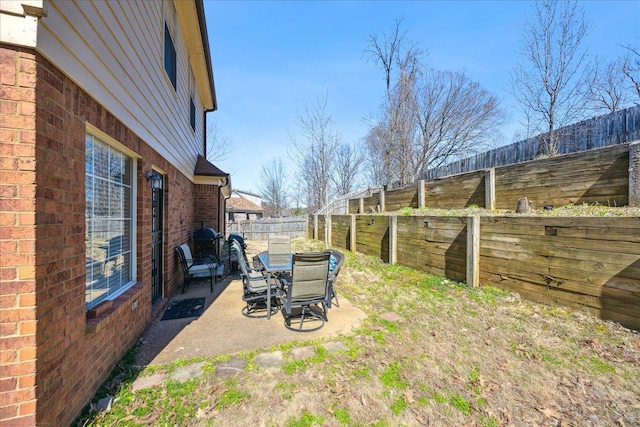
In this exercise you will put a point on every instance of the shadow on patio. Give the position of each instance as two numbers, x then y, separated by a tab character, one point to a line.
222	329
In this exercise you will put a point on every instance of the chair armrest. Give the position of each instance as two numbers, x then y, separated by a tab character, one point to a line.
204	259
285	283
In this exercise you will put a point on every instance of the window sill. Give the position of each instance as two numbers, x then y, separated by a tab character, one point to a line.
98	316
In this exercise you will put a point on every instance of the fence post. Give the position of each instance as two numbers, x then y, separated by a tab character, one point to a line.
328	230
490	188
634	173
352	237
393	239
381	201
361	206
473	250
315	227
421	195
306	226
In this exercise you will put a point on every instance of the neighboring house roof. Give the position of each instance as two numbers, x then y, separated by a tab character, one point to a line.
238	204
241	192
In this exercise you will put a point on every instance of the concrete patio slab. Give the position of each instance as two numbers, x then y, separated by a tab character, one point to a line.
222	329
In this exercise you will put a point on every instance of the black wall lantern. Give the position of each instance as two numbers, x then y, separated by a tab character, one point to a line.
155	179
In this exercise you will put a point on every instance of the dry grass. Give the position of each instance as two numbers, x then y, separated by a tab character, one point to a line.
456	356
562	211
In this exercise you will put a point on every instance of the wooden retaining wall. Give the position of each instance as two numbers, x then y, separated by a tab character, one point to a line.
369	204
433	244
372	235
587	262
591	263
596	176
402	197
341	231
607	176
455	191
321	227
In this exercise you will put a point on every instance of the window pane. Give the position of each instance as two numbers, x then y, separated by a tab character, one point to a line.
169	56
108	221
192	114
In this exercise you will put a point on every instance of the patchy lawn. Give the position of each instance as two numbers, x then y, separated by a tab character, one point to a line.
450	355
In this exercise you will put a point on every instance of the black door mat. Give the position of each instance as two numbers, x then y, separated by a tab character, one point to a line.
181	308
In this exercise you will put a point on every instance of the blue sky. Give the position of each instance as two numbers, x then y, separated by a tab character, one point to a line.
271	58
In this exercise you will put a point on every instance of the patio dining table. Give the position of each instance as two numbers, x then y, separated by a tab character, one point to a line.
273	266
277	264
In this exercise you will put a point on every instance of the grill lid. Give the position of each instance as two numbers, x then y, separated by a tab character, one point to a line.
206	233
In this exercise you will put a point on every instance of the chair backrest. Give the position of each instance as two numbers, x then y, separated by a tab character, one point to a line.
279	248
186	253
185	258
242	261
182	259
309	276
335	262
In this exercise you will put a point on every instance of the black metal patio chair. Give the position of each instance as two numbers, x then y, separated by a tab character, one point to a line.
306	295
255	287
193	268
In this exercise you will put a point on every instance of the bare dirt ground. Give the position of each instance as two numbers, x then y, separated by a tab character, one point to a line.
431	352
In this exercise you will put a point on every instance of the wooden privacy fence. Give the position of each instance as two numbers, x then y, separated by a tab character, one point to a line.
616	128
608	176
262	228
590	262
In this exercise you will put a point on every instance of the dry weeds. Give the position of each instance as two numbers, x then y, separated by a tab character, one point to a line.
457	356
581	210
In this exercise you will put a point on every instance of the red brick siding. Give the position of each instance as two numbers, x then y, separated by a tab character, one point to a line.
205	206
53	357
17	238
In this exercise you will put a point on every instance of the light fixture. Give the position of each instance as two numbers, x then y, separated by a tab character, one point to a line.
155	179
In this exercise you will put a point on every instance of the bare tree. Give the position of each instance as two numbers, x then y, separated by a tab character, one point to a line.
272	188
399	60
550	82
218	146
428	116
348	161
607	92
455	117
379	155
315	152
631	68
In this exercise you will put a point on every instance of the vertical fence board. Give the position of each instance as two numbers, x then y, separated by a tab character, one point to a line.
615	128
261	229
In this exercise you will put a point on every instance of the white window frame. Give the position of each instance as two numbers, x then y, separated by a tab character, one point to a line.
91	273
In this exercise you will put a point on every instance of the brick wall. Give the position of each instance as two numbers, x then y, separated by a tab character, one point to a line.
53	357
17	238
179	218
205	206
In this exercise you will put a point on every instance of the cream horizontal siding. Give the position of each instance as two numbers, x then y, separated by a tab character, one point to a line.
17	27
114	51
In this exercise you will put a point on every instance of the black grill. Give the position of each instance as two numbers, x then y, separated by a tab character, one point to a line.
205	241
